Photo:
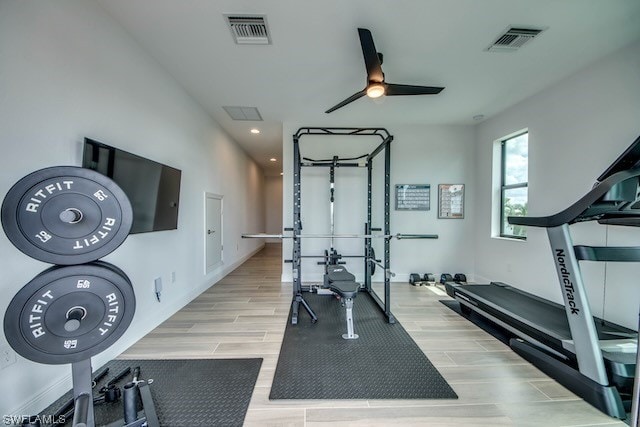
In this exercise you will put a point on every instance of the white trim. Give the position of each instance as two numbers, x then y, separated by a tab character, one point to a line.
211	269
496	184
510	239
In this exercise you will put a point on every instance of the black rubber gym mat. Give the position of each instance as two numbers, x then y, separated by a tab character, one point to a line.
193	392
384	363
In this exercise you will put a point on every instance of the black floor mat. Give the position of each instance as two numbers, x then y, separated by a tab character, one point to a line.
384	363
193	392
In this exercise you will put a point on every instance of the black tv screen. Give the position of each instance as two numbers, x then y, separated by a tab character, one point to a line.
152	188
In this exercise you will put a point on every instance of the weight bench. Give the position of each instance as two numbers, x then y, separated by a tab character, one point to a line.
343	283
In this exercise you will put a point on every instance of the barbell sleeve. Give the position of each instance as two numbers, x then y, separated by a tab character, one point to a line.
81	412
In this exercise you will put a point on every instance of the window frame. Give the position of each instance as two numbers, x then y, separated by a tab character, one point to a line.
504	187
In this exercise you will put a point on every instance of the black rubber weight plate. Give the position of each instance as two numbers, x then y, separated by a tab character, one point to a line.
34	323
34	208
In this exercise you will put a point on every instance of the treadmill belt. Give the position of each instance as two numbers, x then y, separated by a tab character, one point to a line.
546	315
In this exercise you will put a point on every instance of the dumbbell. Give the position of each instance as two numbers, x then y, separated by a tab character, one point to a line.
415	280
460	278
429	278
446	277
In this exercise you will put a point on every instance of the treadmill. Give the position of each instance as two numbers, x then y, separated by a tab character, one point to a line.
593	358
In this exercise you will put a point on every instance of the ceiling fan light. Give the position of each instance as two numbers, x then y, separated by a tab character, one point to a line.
375	90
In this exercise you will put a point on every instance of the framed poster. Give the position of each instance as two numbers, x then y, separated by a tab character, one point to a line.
413	197
451	201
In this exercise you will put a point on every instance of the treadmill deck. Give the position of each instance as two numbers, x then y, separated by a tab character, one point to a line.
542	318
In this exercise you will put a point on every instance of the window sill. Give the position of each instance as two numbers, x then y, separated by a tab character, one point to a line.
509	239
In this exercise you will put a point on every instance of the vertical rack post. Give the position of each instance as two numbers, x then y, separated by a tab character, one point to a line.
387	229
367	229
297	241
332	171
297	229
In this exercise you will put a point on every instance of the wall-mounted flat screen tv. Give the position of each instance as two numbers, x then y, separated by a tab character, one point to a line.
152	188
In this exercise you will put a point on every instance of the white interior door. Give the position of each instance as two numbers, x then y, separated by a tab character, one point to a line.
213	232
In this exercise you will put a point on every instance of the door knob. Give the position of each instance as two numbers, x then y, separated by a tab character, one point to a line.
211	231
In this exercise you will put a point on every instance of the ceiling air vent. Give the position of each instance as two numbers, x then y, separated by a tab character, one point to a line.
243	113
513	39
249	29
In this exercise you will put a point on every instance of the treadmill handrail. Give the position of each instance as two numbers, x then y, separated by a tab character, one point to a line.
607	253
574	211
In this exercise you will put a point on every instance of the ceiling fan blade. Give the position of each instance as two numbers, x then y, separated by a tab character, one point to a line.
371	58
347	101
395	89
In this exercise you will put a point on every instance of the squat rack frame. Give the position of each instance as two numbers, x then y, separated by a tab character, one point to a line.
298	164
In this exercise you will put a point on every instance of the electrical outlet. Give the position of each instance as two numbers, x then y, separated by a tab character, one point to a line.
7	357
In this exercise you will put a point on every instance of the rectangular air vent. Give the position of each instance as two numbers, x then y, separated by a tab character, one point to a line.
243	113
513	39
249	29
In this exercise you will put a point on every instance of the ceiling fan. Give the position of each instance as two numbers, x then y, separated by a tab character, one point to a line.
376	86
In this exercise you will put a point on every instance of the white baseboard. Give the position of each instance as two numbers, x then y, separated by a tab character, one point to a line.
44	398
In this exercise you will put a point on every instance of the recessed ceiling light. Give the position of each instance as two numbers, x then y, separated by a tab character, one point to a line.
255	131
281	173
273	159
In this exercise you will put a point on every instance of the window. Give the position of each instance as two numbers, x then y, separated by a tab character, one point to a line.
513	184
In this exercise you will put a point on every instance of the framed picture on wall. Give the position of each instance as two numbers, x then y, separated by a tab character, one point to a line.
451	201
413	197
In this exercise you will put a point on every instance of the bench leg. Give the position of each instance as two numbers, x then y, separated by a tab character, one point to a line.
349	335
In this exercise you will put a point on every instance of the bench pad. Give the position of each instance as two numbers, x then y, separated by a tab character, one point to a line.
346	289
338	273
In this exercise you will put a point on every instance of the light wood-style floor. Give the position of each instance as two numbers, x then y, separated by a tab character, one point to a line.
245	314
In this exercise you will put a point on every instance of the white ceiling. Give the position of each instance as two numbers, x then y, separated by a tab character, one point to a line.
315	59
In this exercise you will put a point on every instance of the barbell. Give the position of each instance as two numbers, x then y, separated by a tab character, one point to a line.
341	236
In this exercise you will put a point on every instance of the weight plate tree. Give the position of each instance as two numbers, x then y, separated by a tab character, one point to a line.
66	215
70	313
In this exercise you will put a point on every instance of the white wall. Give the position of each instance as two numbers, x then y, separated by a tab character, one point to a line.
273	206
419	155
68	71
577	128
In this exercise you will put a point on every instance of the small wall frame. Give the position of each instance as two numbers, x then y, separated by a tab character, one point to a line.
451	201
413	197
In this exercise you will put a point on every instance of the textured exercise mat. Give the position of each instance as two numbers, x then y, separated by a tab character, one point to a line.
384	363
193	392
